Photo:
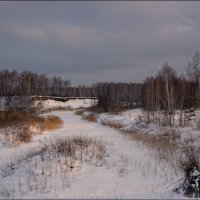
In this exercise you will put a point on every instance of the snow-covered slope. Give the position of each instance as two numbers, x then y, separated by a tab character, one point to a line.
131	119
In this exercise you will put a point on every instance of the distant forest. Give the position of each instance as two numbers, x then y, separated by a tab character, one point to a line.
27	83
165	91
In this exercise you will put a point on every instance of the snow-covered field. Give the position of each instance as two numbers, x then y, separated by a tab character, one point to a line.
128	170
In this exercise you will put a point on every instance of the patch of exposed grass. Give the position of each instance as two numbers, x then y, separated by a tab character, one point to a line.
172	133
21	125
167	148
16	118
51	122
24	135
95	109
112	124
161	145
90	117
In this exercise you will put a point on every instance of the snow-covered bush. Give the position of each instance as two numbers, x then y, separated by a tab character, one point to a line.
190	185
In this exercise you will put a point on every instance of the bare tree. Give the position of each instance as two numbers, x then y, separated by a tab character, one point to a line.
193	71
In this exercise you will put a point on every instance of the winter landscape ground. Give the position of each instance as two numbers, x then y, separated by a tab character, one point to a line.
83	159
99	100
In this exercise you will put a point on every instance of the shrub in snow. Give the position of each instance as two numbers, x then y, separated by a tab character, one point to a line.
190	186
90	117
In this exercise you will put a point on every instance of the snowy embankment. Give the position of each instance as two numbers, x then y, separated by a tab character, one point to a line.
128	170
70	104
48	103
131	120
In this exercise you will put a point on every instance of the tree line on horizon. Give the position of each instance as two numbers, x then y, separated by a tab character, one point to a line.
27	83
166	91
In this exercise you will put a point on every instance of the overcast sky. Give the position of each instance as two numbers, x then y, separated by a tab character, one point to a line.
90	41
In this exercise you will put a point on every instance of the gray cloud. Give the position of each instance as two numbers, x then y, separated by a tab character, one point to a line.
98	41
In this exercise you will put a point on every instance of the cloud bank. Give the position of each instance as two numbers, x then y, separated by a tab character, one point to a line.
98	41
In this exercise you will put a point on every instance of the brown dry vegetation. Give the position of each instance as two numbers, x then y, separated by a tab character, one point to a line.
91	117
112	124
51	122
23	123
79	112
24	135
95	109
16	118
115	110
164	147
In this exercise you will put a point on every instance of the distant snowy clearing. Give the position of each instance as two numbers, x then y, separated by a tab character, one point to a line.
70	104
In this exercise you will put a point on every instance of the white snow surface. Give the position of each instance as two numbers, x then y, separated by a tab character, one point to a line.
130	170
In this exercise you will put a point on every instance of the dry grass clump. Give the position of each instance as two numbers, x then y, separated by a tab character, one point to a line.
16	118
19	127
79	112
51	122
166	148
78	148
54	159
158	143
90	117
95	109
171	133
46	123
112	124
162	148
24	135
